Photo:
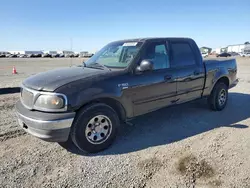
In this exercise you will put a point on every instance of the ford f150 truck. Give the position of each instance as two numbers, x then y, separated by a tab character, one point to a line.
86	104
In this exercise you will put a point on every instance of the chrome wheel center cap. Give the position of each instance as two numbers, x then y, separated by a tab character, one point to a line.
98	129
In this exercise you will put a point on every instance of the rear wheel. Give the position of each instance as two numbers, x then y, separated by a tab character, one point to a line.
219	96
95	128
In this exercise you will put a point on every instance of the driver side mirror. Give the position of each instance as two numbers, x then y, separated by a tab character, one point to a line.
145	65
83	63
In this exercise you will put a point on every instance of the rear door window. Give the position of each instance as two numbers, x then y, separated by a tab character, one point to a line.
182	54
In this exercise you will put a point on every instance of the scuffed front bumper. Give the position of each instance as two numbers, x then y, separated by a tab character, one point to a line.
53	127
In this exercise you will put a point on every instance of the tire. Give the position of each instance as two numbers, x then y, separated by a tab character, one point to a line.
95	128
215	102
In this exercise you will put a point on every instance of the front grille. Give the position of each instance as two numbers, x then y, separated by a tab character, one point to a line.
27	98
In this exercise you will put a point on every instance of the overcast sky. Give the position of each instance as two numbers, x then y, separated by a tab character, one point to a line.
51	24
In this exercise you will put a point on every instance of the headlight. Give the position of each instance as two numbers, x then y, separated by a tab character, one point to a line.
50	102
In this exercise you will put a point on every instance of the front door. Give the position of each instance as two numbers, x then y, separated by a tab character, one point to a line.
157	88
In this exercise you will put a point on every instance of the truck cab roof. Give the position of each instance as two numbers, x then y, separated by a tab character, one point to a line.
153	38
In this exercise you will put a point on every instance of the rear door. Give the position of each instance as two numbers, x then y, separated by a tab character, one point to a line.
189	69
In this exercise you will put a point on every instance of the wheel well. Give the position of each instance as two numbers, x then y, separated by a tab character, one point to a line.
224	80
116	105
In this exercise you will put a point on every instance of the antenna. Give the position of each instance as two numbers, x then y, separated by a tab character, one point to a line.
71	51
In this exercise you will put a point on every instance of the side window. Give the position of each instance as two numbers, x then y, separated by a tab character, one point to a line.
182	54
161	49
157	53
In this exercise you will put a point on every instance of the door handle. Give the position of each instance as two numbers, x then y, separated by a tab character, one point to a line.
168	77
196	72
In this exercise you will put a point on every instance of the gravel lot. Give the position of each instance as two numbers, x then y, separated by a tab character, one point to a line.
182	146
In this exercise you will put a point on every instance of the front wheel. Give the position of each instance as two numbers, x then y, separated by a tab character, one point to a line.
219	97
95	128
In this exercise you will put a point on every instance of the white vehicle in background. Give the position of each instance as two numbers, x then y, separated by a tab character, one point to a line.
88	55
204	54
85	54
246	54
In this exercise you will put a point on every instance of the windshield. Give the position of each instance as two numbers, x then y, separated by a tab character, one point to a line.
115	55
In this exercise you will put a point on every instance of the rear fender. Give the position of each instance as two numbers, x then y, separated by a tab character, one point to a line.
219	74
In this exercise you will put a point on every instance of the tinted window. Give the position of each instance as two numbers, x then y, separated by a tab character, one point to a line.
158	54
182	54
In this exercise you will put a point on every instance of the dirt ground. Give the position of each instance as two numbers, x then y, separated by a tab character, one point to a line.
182	146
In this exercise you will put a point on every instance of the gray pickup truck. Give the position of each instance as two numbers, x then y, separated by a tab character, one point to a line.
86	104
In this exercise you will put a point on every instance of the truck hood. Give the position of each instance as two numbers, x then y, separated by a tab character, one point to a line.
51	80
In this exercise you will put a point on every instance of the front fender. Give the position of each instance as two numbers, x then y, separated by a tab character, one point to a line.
114	100
90	94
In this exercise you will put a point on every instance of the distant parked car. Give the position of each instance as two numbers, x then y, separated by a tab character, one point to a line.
55	55
22	56
224	54
46	55
246	54
12	56
88	55
30	55
234	53
204	55
2	55
81	55
69	55
34	55
8	55
38	55
61	55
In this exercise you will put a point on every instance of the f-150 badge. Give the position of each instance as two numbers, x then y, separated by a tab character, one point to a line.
123	85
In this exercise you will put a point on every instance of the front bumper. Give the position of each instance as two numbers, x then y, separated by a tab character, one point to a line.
53	127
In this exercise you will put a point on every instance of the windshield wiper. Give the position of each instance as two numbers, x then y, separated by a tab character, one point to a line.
97	66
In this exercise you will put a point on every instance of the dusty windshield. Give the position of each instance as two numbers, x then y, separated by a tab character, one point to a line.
115	55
